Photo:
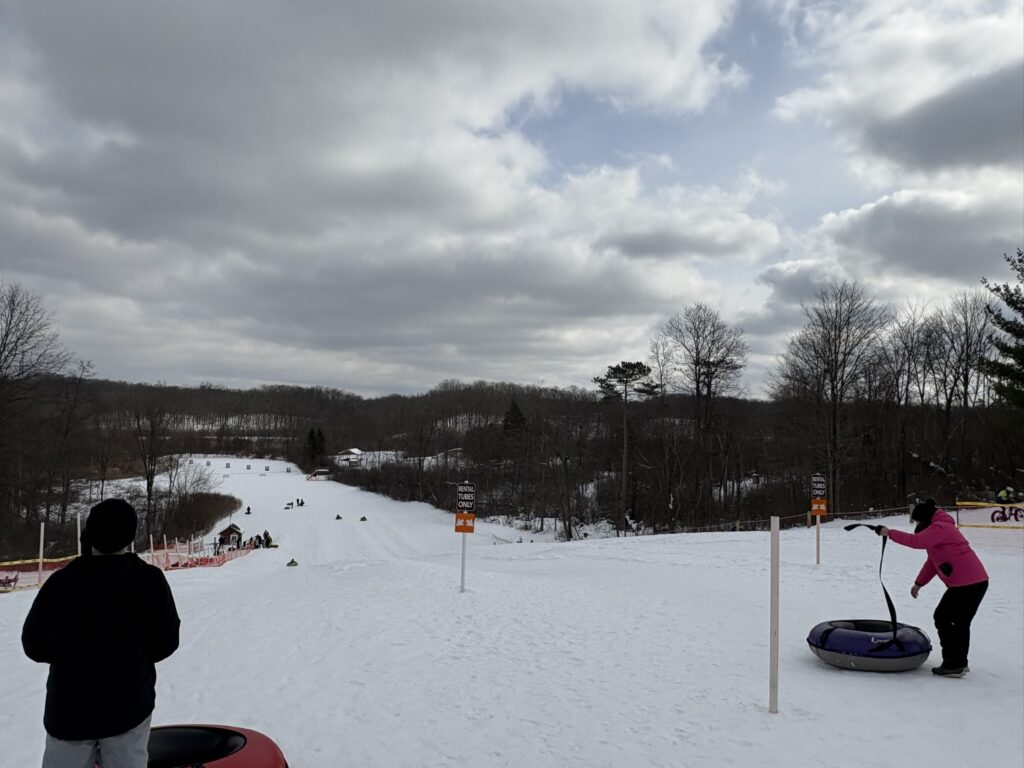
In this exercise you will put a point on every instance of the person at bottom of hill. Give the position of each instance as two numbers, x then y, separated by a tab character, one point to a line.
951	558
102	623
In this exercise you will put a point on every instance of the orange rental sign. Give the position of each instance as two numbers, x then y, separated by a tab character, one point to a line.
819	507
464	522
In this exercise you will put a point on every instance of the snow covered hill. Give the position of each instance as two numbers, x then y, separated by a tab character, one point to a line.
647	651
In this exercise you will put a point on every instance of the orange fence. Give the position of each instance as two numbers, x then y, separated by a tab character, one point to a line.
27	574
31	573
175	558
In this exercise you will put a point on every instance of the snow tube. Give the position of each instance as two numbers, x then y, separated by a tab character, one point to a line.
868	644
213	746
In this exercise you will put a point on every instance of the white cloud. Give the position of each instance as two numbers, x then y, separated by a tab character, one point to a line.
952	232
340	193
880	61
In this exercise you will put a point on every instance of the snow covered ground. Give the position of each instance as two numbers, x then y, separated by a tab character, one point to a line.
648	651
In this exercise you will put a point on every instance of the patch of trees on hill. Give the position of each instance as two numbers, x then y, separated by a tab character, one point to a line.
889	404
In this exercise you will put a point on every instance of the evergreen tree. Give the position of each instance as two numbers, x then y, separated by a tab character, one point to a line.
514	422
321	446
1007	371
616	385
309	452
315	451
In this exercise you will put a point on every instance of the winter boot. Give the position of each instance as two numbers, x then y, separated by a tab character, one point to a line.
949	671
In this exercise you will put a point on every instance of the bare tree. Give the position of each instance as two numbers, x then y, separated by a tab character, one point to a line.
72	416
30	347
710	356
960	347
826	361
185	479
30	354
147	421
661	359
903	357
106	442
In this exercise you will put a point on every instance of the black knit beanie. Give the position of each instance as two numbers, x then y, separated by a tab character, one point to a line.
923	514
111	525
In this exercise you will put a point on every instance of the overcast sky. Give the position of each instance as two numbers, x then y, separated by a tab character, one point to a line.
378	196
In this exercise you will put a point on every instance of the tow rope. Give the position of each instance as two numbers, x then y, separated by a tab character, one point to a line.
888	600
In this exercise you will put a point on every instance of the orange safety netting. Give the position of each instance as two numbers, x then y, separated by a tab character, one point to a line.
181	557
27	574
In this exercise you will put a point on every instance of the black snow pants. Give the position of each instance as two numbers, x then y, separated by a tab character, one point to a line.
953	617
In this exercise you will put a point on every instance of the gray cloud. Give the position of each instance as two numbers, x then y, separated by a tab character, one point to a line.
337	193
978	122
332	192
792	284
925	234
664	243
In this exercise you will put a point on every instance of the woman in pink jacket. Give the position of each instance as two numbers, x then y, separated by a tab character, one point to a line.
952	559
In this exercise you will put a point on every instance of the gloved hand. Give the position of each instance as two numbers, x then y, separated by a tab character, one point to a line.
882	530
914	590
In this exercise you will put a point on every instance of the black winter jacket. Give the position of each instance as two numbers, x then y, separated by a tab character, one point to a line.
101	623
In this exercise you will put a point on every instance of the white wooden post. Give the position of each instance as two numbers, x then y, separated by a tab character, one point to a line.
42	529
817	539
773	669
462	584
152	553
78	527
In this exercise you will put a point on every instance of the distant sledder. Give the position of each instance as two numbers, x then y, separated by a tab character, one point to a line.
362	519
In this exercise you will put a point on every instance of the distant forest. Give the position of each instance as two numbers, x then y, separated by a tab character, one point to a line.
888	404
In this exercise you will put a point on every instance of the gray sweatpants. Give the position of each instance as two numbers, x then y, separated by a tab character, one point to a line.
126	750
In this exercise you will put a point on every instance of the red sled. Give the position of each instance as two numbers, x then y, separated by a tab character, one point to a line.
212	746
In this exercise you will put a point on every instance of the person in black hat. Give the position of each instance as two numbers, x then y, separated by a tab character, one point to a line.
101	623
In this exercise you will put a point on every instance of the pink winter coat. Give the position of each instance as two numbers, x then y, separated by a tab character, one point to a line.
949	554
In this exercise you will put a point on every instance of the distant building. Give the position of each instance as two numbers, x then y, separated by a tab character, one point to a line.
352	457
224	537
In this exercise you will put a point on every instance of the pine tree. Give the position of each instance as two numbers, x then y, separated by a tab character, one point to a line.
309	452
616	385
514	423
321	446
1007	371
315	451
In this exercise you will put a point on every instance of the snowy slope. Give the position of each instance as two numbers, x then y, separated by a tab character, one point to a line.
646	651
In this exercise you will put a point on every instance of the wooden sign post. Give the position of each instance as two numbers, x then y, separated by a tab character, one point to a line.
819	508
465	520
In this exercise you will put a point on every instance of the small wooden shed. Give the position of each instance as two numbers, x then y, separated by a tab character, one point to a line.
224	537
